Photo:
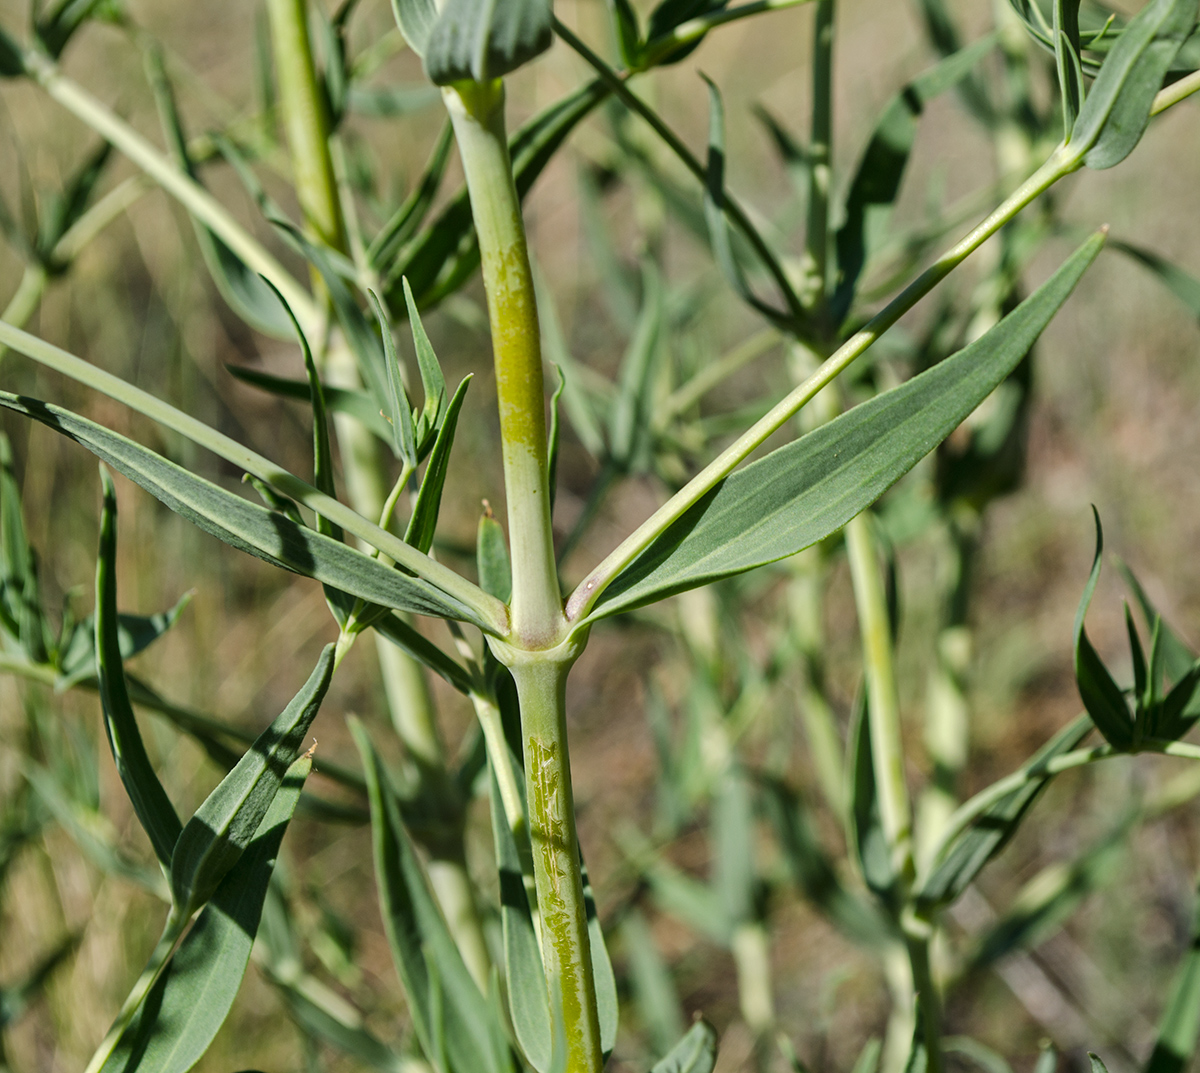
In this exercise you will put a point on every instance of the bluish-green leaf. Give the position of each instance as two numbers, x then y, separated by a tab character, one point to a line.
433	382
415	19
269	535
217	835
865	833
961	861
669	14
1117	109
479	40
358	404
626	31
404	438
810	488
416	931
11	63
695	1053
1067	58
423	523
1102	697
404	636
491	557
150	801
187	1006
654	995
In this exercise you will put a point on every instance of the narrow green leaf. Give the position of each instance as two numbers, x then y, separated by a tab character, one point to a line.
217	835
432	380
1117	110
1102	697
245	292
1097	1064
868	1058
1067	51
1179	1029
404	439
404	222
479	40
528	994
358	404
415	19
1047	1059
150	801
16	556
732	835
1139	656
423	523
415	929
876	183
865	832
695	1053
404	636
12	63
58	25
64	209
960	862
187	1006
266	534
491	557
553	437
607	1004
810	488
627	32
1177	656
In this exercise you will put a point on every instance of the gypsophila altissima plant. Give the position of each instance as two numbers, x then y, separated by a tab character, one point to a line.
514	973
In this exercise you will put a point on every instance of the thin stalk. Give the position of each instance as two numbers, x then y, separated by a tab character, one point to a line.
967	813
816	247
159	960
1175	92
712	375
25	299
491	610
925	990
198	201
541	680
733	210
883	705
584	597
306	120
477	113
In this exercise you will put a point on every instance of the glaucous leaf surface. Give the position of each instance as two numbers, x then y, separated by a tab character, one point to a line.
479	40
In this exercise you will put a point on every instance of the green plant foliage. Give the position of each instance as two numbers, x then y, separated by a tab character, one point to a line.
797	496
696	1052
479	40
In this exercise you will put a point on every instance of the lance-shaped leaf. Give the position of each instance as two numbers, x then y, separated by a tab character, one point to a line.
419	937
404	636
1117	109
416	19
12	65
266	534
183	1012
491	557
810	488
221	829
669	14
865	833
135	633
150	801
432	380
244	290
960	862
876	184
18	572
632	409
1179	1029
423	523
64	209
695	1053
358	404
404	438
479	40
1102	697
1067	52
409	216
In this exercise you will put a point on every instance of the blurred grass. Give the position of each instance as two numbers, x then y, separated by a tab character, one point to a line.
1115	424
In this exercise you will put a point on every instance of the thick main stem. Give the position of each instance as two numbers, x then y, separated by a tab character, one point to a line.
477	112
566	947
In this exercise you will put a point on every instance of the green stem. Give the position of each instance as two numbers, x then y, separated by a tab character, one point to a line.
198	201
159	960
917	940
477	112
816	255
883	706
306	119
659	48
584	597
712	375
541	679
25	299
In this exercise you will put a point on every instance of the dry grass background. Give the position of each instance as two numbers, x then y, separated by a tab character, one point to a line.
1116	424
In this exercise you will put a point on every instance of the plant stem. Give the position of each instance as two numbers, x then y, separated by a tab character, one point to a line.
306	119
816	247
584	597
25	299
541	680
159	959
883	706
477	112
